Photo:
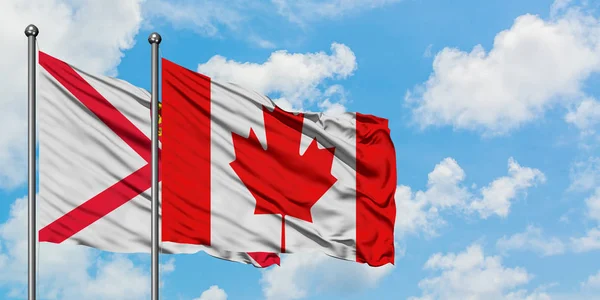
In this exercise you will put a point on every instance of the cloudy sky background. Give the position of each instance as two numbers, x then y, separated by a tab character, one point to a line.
493	107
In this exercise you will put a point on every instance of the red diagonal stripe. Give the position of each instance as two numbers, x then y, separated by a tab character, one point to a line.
97	207
97	104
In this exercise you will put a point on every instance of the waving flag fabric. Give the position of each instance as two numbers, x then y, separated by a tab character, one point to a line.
95	172
241	174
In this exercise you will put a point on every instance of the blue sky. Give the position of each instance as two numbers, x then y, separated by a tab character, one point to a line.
493	110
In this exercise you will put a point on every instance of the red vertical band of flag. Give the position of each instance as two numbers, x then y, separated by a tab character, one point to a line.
375	188
186	155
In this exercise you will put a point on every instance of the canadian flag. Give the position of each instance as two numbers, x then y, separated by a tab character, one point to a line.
94	165
241	174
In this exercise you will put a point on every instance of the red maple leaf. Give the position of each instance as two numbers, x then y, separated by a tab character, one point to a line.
283	181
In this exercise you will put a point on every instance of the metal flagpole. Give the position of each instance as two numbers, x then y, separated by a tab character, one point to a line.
154	40
31	32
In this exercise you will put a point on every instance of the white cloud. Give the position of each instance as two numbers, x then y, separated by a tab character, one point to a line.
427	53
204	17
593	205
296	78
524	295
115	278
585	175
588	290
334	101
589	242
497	195
74	31
420	211
66	271
330	108
245	18
472	275
213	293
415	214
559	6
262	43
309	10
533	240
592	283
301	274
443	185
167	267
532	67
586	116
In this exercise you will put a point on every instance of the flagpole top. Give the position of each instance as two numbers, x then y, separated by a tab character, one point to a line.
31	30
154	38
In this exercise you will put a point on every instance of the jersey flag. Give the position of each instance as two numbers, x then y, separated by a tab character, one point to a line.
94	165
241	174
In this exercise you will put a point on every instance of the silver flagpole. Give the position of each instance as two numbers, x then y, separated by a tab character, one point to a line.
31	32
154	40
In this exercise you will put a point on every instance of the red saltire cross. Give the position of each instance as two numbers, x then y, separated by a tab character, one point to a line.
119	193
